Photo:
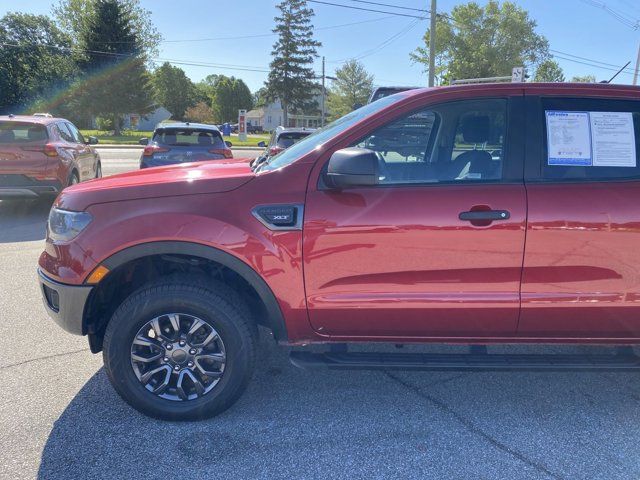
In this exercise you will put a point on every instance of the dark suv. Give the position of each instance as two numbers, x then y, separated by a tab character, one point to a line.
476	215
40	155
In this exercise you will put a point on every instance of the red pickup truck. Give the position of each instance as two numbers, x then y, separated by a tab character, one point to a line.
471	214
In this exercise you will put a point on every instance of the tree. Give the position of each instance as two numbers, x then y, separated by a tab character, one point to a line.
291	70
475	41
230	95
74	16
549	71
200	112
116	81
584	79
353	86
172	89
34	60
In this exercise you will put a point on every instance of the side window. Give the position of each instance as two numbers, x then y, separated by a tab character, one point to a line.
450	143
75	133
65	134
590	139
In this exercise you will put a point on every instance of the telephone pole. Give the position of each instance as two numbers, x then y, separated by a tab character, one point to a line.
432	45
635	74
323	94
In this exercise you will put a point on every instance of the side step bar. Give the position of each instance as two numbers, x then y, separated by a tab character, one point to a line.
464	362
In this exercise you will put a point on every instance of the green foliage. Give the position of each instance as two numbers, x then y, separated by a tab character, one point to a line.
549	71
173	89
353	86
104	123
74	17
477	41
200	112
115	80
230	94
584	79
34	62
291	78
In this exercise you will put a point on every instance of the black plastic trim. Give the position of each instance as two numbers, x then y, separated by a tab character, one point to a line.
275	319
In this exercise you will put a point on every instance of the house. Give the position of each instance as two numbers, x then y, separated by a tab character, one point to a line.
136	121
271	116
148	122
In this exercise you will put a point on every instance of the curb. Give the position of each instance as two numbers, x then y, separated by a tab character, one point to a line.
140	147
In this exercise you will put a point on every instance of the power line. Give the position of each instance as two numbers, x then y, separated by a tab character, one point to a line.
367	9
630	22
390	6
379	47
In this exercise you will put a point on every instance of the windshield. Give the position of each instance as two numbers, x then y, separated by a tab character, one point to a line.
320	136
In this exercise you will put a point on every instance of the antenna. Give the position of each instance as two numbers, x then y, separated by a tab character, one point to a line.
617	73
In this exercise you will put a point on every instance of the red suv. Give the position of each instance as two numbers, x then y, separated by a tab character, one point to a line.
471	214
41	155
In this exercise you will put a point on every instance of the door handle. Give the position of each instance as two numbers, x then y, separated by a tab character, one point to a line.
484	215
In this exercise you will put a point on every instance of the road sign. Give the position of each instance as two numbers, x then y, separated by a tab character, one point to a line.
242	125
517	74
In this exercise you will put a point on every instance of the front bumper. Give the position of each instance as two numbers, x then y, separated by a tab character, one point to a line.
64	303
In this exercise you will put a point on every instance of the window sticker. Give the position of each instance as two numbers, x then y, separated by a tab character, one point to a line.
592	139
613	139
568	138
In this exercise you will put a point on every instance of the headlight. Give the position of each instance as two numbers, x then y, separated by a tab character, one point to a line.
65	225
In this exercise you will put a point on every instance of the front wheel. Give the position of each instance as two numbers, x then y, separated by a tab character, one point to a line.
178	350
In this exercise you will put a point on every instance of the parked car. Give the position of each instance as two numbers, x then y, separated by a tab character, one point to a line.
382	92
183	142
480	214
254	129
281	139
40	155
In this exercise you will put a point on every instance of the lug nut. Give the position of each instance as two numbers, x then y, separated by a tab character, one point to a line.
190	364
182	343
168	346
165	359
192	351
176	368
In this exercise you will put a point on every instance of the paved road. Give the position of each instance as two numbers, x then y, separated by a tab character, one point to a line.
60	419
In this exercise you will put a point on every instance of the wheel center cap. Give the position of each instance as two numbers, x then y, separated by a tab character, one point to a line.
179	356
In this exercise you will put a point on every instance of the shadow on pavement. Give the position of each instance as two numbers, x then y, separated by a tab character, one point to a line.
326	424
23	220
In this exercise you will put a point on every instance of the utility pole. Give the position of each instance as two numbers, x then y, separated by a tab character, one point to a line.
432	45
635	74
323	95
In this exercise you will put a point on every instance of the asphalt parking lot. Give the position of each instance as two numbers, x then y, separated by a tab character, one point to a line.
60	419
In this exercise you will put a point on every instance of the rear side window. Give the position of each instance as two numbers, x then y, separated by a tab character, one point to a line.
65	133
21	132
188	138
287	139
590	139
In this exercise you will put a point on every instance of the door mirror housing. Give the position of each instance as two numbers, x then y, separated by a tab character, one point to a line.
352	167
143	141
228	144
262	144
91	140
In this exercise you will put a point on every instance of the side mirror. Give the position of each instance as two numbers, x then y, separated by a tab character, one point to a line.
262	144
143	141
352	167
91	140
228	143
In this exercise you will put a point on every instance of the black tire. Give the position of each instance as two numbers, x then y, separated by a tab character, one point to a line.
212	302
99	170
73	179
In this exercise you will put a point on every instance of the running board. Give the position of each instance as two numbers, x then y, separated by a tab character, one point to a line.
464	362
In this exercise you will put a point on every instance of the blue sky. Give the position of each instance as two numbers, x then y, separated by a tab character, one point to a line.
574	27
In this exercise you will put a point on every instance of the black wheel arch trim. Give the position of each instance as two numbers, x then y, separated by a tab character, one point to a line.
275	320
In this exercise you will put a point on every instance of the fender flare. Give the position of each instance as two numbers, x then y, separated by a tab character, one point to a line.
275	319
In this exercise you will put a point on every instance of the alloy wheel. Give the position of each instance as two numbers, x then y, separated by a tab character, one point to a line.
178	357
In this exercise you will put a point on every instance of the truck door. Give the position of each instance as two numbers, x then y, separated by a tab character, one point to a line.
434	250
581	275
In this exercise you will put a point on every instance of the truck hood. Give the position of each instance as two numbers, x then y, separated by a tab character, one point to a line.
181	179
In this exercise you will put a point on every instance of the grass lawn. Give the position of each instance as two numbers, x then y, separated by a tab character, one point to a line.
129	137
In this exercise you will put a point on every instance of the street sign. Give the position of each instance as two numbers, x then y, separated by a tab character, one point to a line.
242	125
517	74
